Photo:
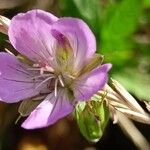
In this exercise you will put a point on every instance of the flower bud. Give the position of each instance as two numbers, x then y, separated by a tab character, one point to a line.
92	118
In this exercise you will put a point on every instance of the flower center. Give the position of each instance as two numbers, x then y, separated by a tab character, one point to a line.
51	79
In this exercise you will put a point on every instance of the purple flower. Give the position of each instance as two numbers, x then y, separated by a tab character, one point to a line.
62	68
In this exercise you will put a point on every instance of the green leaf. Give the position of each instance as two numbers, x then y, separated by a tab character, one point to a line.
147	3
120	22
122	19
87	8
68	8
92	120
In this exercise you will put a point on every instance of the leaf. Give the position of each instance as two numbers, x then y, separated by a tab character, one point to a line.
66	7
147	3
123	19
92	121
120	21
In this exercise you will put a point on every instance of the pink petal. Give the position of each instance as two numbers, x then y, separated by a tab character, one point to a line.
88	84
81	38
30	34
49	111
15	80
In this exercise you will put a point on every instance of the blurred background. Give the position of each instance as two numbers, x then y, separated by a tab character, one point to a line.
122	30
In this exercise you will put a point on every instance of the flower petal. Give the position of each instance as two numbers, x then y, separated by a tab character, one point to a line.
89	84
81	38
15	80
30	34
49	111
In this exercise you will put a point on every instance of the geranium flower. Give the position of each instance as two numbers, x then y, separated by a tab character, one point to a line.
62	67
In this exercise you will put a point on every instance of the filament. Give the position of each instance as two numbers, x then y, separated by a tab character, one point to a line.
56	84
43	82
61	81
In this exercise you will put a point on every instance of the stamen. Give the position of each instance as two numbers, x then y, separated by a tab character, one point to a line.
35	65
42	71
34	69
61	80
56	84
44	82
43	75
50	69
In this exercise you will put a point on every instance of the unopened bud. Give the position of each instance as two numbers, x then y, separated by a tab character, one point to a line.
92	119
